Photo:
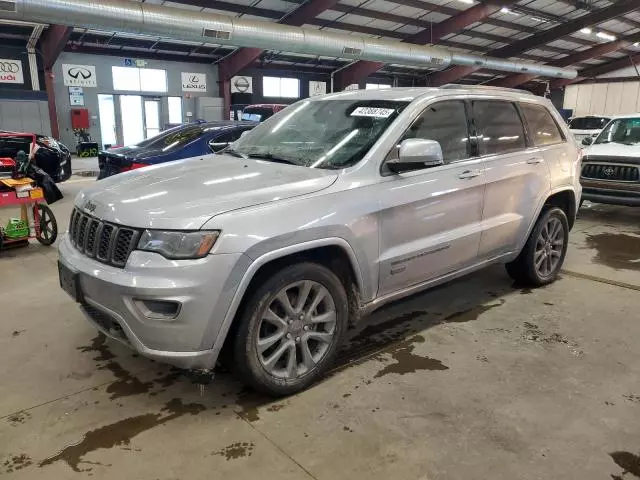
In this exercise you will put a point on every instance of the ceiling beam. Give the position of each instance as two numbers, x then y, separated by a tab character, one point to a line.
243	57
590	73
52	43
538	39
362	69
595	52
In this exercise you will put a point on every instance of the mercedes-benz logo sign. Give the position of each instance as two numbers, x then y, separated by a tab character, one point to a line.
241	84
608	171
76	72
9	67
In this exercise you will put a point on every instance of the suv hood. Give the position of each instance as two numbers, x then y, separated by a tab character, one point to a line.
613	152
183	195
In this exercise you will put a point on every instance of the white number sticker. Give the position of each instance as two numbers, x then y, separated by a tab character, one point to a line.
372	112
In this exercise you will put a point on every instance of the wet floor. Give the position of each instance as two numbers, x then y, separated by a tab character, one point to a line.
476	379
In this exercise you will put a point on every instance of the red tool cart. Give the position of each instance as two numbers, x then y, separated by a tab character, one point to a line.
23	192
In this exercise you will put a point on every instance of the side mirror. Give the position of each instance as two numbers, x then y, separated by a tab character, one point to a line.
587	140
416	154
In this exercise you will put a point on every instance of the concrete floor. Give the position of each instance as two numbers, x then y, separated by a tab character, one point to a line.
474	380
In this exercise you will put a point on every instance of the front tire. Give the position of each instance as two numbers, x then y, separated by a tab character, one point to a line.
543	255
290	329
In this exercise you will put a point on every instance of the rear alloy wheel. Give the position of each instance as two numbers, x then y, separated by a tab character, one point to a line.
543	255
291	328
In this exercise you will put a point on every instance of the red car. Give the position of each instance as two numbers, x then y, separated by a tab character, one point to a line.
260	112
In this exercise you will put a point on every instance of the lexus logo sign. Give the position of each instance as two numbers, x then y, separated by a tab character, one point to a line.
11	71
79	75
194	82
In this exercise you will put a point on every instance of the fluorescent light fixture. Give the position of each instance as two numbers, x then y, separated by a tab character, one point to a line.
586	30
469	2
606	36
507	10
637	44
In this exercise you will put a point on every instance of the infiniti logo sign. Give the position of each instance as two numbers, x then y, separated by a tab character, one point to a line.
76	72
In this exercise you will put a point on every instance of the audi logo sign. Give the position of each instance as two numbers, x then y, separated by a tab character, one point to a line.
11	71
194	82
79	75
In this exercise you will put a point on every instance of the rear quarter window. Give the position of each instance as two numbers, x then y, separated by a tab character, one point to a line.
543	129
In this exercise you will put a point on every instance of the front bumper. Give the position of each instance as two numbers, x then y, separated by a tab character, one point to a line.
202	288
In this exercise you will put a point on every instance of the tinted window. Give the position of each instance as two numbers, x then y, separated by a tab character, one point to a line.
543	130
445	122
225	139
588	123
174	138
499	127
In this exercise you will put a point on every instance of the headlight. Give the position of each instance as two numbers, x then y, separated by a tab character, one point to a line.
178	245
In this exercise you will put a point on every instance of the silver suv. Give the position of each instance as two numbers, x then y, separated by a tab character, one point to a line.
326	211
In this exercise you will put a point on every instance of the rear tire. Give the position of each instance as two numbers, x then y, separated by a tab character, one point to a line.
290	329
543	255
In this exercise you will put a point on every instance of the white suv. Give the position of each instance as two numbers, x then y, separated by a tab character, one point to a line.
328	210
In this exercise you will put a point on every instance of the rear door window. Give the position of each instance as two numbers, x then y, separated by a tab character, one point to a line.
499	127
543	129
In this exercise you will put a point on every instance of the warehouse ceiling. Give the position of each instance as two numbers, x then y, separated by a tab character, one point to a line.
596	37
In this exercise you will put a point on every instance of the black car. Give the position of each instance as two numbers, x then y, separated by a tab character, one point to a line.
52	156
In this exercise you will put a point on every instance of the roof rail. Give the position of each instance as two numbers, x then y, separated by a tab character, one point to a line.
456	86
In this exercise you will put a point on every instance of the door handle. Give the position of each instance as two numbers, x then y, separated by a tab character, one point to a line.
535	160
469	174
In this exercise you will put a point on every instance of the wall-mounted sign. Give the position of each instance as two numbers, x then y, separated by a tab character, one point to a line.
76	96
317	88
79	75
11	71
134	62
241	84
194	82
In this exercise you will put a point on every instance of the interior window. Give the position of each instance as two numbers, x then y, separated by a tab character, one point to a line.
499	127
445	122
542	128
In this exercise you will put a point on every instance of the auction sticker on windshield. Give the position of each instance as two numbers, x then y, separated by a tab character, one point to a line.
372	112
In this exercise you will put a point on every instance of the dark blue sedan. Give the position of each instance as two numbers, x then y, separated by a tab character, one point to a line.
184	141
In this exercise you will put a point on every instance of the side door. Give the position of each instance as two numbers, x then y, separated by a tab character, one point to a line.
516	173
430	219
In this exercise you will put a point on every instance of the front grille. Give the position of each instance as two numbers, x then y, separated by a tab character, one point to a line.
106	242
617	173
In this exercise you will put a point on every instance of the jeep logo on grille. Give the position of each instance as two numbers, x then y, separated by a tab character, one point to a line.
608	171
90	207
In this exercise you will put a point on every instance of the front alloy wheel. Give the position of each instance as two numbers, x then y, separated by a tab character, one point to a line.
290	329
296	329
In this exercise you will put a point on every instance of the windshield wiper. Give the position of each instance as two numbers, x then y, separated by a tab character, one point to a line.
233	153
272	158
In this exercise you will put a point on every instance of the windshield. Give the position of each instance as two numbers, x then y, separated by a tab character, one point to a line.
588	123
320	134
623	130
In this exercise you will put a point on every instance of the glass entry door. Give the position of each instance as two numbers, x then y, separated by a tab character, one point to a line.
107	112
151	118
132	121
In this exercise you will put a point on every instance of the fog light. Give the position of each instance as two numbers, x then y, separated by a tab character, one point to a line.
158	309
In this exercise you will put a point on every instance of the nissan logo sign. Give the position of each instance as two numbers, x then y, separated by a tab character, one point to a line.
76	72
9	67
242	84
